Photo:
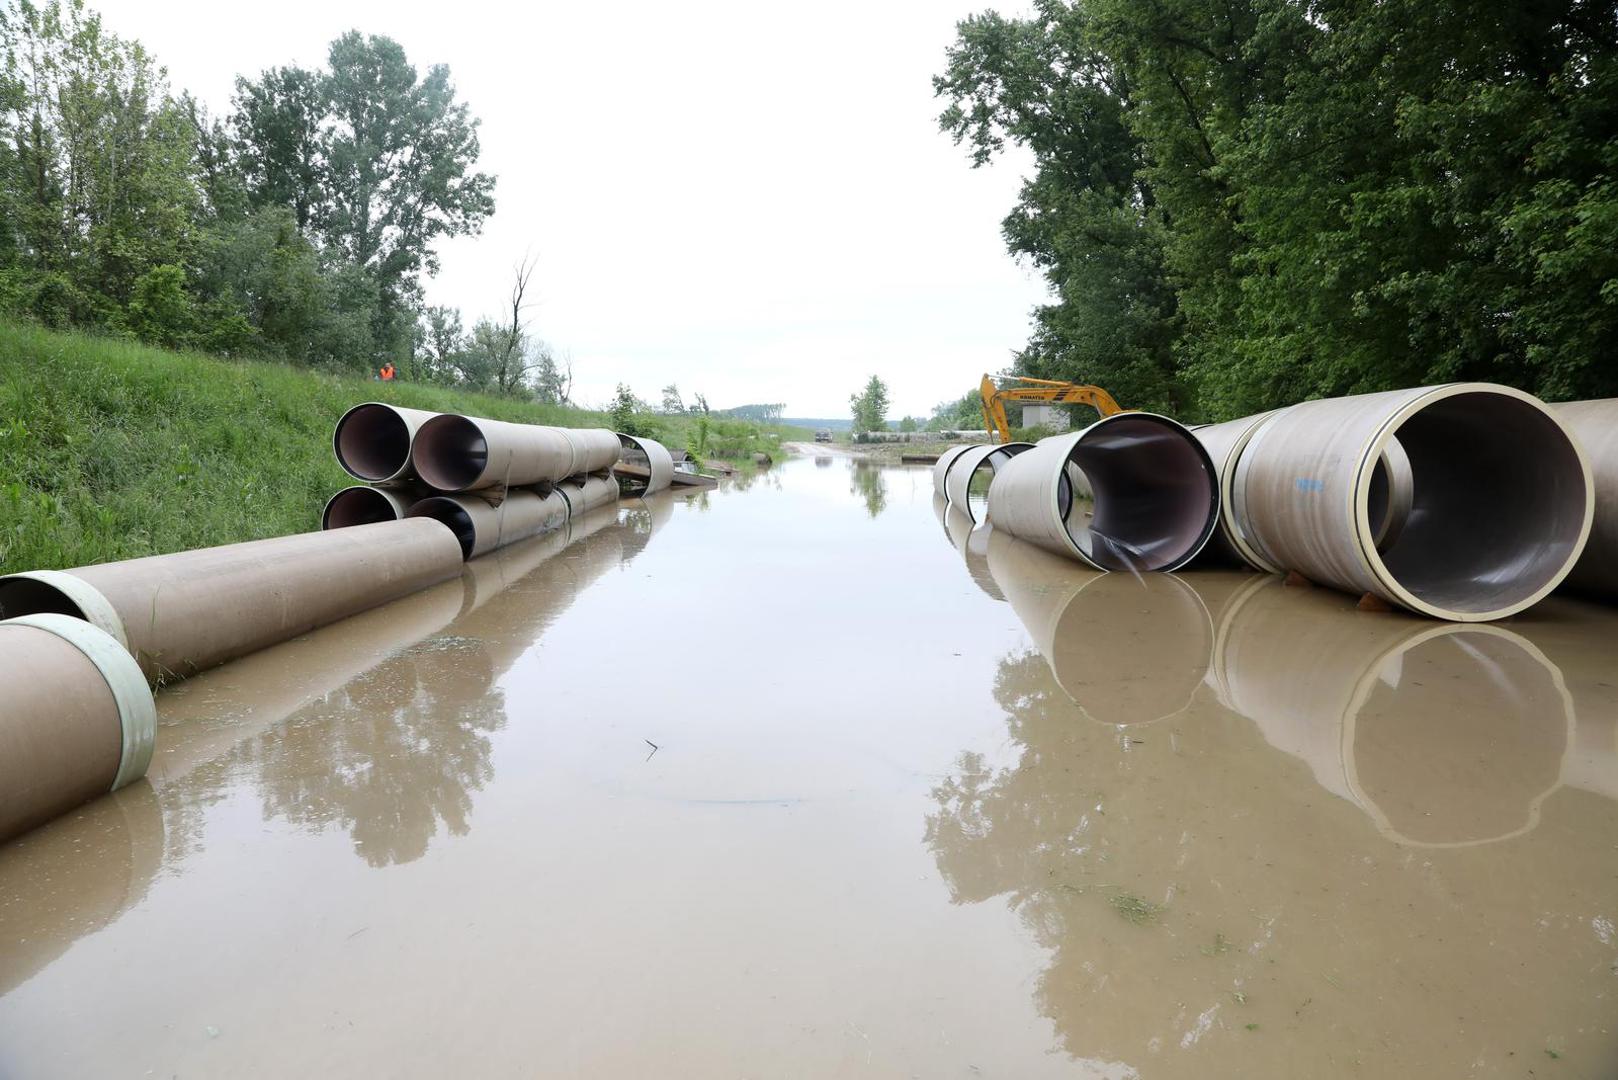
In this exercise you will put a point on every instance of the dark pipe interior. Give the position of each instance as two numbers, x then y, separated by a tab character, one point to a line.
450	513
25	596
1498	499
372	442
356	506
451	452
1155	494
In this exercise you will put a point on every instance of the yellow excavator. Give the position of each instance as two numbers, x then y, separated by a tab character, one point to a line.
1048	391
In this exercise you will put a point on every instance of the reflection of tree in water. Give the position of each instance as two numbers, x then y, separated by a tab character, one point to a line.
1188	880
871	484
400	750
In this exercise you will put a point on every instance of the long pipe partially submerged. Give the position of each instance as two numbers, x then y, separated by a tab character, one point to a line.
178	614
76	718
1133	491
374	441
465	453
650	455
1595	424
1500	497
942	466
987	458
588	494
480	526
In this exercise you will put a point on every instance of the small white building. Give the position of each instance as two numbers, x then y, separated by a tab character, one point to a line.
1054	417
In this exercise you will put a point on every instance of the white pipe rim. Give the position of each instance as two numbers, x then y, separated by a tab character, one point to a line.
1229	522
1360	503
97	609
137	711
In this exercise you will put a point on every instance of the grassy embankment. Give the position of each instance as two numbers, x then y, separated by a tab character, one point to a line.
112	450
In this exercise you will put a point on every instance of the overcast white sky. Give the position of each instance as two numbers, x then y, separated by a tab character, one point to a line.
748	199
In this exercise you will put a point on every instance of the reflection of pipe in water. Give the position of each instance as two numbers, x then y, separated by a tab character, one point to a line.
1595	425
75	878
641	519
76	719
206	716
1444	735
373	441
179	614
1127	649
1500	497
1133	491
971	542
965	468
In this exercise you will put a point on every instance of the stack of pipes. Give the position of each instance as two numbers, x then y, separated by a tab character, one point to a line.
1467	502
81	649
492	482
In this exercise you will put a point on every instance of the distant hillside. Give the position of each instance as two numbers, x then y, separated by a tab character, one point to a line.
843	424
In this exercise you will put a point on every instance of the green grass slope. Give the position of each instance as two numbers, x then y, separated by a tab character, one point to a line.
111	450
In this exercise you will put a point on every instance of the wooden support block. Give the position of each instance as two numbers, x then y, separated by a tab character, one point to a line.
1298	580
1372	602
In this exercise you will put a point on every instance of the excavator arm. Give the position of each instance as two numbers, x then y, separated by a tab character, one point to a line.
1041	390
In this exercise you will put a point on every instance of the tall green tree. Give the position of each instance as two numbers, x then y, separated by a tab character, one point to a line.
1246	202
870	406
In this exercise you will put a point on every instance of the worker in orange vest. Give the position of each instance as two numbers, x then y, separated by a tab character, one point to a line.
387	371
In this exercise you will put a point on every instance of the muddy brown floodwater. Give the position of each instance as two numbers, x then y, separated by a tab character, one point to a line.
806	779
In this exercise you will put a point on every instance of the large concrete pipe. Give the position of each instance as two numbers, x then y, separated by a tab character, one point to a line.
1389	504
480	526
178	614
465	453
1127	648
942	466
373	441
76	718
1445	736
364	504
650	455
1501	498
971	542
987	460
1595	425
1133	491
596	450
588	494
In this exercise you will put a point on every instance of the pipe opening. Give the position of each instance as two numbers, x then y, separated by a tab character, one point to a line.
451	514
372	442
1138	492
1388	505
451	452
632	453
357	506
1498	504
970	475
25	596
